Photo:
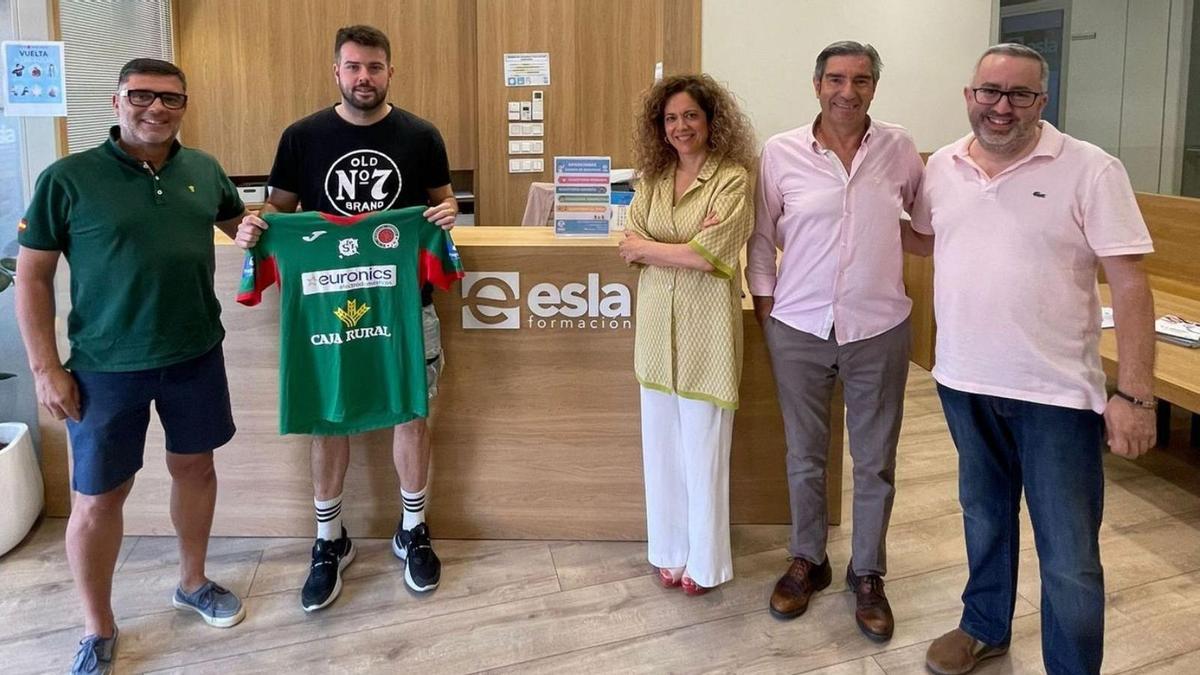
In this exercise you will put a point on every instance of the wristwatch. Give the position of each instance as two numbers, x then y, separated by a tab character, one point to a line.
1141	403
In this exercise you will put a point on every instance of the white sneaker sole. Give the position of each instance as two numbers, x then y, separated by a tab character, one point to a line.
337	586
226	622
408	580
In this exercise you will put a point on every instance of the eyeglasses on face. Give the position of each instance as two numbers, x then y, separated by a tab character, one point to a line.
144	98
1020	98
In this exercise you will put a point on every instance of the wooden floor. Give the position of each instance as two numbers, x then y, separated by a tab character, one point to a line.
566	607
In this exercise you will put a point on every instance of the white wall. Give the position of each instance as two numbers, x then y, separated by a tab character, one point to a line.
765	51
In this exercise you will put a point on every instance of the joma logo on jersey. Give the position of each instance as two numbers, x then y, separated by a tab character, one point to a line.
352	313
349	279
361	181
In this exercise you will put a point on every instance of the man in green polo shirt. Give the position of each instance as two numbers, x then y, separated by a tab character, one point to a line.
133	217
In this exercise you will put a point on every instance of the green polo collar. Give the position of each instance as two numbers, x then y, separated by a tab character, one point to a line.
114	134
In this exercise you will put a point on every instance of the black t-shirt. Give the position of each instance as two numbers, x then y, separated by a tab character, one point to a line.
346	169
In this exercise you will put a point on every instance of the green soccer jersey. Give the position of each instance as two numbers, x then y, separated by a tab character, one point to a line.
352	353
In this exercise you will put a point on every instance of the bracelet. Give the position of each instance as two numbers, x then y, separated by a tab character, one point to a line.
1150	404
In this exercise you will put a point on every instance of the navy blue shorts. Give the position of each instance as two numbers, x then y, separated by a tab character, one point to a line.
107	443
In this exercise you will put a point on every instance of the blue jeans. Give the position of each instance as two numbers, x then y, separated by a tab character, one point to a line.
1054	453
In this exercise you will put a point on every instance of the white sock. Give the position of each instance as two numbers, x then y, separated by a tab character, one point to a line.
329	518
414	508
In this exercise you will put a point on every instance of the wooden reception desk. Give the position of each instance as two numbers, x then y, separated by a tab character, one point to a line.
536	428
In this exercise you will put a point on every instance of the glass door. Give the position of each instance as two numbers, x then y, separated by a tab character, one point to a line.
1045	31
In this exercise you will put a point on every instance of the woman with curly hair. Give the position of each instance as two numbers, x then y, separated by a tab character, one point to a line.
690	218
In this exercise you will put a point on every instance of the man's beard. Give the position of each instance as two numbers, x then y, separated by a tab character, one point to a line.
379	98
1003	144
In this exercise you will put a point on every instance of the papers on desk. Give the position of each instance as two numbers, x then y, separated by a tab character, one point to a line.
1173	329
1168	328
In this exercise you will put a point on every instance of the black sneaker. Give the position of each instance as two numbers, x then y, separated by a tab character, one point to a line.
423	569
324	582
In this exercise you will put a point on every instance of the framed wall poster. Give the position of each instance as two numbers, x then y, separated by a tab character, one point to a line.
34	82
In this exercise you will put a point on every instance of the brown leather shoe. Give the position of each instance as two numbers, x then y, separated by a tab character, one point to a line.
957	653
796	587
872	611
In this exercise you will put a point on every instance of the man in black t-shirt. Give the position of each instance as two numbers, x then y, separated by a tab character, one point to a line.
363	155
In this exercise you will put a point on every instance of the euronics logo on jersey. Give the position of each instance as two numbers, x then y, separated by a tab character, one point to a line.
348	279
492	300
361	181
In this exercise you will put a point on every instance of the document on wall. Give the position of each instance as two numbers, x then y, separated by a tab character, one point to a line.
34	85
526	70
582	194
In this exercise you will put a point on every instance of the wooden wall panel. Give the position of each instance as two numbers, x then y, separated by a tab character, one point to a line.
255	67
1174	224
918	283
681	36
602	56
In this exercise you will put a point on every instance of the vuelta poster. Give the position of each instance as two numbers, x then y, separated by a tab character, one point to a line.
34	82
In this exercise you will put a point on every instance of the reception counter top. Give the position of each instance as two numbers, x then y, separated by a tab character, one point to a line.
536	430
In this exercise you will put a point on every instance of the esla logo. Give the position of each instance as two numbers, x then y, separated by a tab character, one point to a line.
491	300
361	181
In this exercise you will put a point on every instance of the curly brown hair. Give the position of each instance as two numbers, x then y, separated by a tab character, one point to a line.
729	130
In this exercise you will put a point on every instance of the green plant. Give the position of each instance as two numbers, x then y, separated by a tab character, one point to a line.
8	277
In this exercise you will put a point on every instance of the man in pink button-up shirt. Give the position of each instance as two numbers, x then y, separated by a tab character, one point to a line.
830	197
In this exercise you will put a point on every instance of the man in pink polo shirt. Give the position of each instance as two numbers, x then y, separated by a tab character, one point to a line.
830	195
1022	216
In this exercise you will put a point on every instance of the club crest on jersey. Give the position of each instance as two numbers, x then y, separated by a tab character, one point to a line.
361	181
386	236
347	248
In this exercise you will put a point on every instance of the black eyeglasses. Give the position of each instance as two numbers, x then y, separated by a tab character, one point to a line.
144	98
1020	98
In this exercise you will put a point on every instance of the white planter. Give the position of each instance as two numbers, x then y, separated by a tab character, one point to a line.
21	489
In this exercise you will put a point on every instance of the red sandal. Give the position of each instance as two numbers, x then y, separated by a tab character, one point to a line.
691	587
667	579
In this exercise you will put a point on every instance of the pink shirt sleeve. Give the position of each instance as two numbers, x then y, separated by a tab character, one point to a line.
761	249
920	211
915	171
1112	222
